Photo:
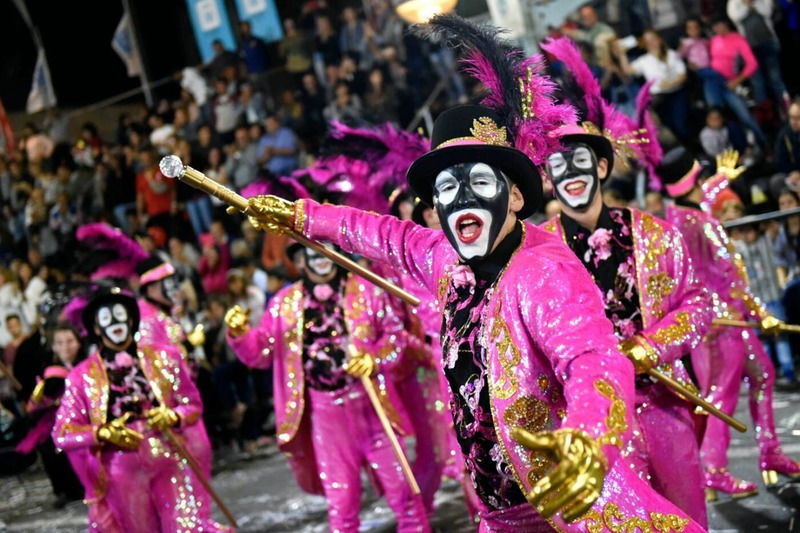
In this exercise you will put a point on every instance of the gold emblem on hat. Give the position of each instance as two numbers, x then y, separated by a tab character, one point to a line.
486	130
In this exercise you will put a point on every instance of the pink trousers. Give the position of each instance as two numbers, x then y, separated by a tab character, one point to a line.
428	456
348	436
668	450
150	490
720	364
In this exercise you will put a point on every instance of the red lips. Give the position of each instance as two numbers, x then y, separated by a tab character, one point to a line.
575	187
468	228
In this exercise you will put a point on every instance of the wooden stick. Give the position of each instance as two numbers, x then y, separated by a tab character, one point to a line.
198	180
387	428
696	399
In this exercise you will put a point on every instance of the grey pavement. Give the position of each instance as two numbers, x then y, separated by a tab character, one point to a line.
261	493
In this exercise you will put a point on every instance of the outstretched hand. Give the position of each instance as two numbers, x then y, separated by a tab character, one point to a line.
726	164
238	321
575	483
271	213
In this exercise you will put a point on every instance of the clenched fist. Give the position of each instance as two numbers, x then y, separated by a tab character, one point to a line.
237	320
271	213
118	434
575	483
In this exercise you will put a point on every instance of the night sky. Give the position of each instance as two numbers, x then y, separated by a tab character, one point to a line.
77	39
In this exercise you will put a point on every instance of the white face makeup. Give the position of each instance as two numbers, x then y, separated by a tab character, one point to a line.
472	199
574	175
470	226
114	323
318	263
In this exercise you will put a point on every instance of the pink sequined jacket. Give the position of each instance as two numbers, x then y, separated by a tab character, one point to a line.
277	342
676	310
717	264
156	327
552	353
85	403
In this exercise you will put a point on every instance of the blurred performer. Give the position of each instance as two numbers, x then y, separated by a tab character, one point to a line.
728	354
659	309
531	360
117	403
320	335
41	408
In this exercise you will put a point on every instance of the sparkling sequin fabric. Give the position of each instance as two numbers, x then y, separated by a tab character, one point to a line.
550	350
278	341
728	355
468	376
148	488
624	240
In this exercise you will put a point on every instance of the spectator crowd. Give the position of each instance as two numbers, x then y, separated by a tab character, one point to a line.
259	112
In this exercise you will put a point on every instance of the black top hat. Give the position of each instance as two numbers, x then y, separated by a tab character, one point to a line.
677	171
471	133
109	296
594	139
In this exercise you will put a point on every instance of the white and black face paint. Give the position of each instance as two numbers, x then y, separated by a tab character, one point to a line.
471	200
573	173
318	264
170	288
114	323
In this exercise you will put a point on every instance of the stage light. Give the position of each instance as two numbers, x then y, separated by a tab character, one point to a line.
420	11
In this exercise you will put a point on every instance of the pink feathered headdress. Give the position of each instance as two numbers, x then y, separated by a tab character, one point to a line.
100	236
516	87
599	117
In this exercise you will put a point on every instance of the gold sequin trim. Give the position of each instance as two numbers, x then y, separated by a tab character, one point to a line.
659	286
293	338
506	384
654	239
616	421
485	130
675	332
299	216
614	520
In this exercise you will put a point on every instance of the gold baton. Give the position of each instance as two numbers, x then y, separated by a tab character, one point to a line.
696	399
387	428
788	328
172	167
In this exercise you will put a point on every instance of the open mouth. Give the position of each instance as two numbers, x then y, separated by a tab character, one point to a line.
468	228
575	187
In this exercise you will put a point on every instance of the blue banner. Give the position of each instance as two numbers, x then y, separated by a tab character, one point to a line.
263	18
210	22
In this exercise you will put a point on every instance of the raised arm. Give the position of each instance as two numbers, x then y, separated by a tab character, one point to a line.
403	246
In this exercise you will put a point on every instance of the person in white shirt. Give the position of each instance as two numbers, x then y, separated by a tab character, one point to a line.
665	68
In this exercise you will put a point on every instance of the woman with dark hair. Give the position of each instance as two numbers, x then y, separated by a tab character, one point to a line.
380	99
69	350
665	68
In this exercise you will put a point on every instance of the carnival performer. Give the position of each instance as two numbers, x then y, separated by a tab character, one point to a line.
117	404
728	354
659	309
320	335
158	294
531	359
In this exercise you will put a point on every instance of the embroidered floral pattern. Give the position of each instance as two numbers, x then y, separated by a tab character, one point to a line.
608	255
128	389
325	338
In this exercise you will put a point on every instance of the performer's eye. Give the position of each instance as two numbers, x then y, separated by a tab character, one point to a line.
446	187
556	164
104	316
582	158
120	313
483	181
